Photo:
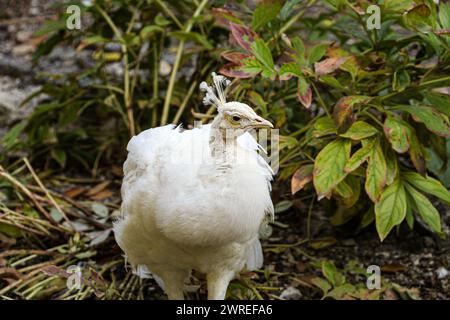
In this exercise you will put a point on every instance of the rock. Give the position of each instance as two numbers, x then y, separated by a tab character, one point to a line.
164	68
12	93
23	35
291	293
23	49
442	273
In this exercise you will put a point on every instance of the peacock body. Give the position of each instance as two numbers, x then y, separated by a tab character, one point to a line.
196	199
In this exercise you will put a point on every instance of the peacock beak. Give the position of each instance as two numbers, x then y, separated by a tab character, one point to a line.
259	123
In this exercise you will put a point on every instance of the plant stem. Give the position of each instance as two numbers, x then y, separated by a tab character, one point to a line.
176	65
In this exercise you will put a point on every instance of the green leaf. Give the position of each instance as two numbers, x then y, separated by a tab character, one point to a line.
396	131
439	101
428	185
359	130
299	48
444	15
392	166
391	209
331	273
264	13
324	126
262	53
317	52
425	209
401	80
11	136
193	36
283	206
418	16
340	292
376	172
148	31
431	118
50	26
288	8
360	156
60	156
322	284
348	191
290	68
329	166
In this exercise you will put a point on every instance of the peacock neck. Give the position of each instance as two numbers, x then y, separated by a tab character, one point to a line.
221	140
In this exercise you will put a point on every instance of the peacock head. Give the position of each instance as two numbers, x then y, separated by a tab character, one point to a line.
231	115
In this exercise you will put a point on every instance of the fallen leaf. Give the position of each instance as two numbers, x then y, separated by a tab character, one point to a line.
321	243
102	195
101	186
74	192
393	268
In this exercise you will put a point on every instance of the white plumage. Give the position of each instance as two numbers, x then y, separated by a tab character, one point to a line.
195	199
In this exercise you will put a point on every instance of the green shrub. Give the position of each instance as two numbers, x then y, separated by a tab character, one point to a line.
361	116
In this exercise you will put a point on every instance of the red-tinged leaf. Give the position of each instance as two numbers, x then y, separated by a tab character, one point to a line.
391	209
416	152
243	35
234	70
305	99
301	177
376	173
234	56
329	65
329	166
351	65
392	166
396	132
223	16
343	111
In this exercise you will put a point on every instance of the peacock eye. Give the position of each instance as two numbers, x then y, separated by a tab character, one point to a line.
236	118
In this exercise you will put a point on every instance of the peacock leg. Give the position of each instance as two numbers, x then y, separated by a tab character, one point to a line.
218	283
174	283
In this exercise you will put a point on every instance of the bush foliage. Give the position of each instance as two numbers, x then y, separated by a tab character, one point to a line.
363	112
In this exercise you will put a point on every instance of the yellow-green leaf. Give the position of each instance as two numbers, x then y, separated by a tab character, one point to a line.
434	120
359	156
329	166
425	209
427	184
376	173
391	209
324	126
359	130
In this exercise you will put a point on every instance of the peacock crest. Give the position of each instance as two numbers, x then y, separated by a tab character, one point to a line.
215	94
